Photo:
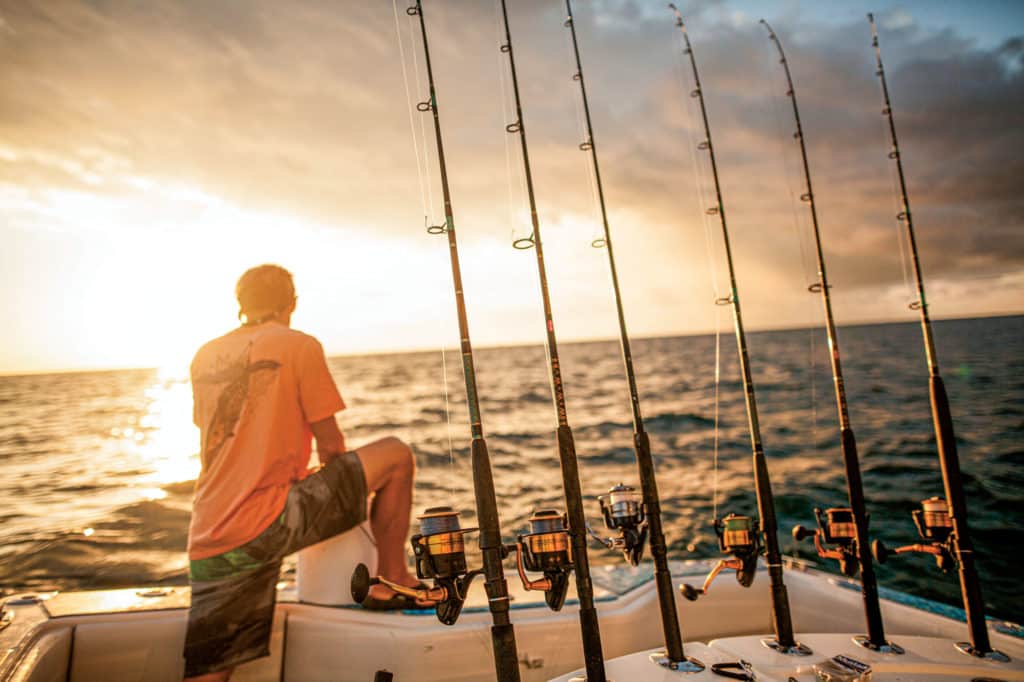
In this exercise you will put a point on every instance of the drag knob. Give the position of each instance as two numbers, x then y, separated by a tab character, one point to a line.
690	592
802	533
880	551
361	582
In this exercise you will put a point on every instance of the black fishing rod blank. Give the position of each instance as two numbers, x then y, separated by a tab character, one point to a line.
847	528
438	547
622	506
941	525
546	532
738	535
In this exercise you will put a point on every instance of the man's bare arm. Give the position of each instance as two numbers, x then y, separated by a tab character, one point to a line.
330	442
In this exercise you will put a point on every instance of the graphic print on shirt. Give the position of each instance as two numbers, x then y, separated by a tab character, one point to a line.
243	382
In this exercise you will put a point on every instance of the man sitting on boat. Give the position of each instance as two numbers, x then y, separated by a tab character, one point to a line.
262	392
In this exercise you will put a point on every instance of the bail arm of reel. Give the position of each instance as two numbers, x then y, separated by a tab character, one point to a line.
835	527
624	512
739	536
935	526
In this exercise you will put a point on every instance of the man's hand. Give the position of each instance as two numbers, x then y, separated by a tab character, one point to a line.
329	440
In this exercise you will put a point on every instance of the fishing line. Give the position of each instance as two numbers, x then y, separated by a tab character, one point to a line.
740	535
567	531
451	578
701	172
410	108
507	112
814	388
448	422
718	381
423	124
674	655
517	206
894	199
845	527
422	154
790	170
799	229
509	203
942	523
597	237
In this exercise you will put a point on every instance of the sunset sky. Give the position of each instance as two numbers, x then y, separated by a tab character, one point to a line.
152	151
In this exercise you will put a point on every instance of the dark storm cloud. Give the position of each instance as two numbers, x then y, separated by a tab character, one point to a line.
959	113
301	105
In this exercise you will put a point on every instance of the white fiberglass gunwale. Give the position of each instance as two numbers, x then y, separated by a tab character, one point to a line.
127	635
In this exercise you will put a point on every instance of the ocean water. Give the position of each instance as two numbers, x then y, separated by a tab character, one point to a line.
97	468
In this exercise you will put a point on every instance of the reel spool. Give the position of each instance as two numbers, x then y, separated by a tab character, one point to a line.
932	520
440	552
623	510
836	526
739	536
935	526
546	549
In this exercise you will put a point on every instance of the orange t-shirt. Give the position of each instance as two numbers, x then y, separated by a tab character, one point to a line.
256	390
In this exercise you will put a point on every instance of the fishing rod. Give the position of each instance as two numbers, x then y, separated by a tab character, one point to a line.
621	509
844	527
439	547
558	565
942	526
738	535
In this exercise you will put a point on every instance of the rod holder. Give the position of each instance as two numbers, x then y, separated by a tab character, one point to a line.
546	549
834	538
440	552
624	512
739	536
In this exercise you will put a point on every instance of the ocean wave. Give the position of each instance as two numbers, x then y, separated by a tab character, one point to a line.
65	424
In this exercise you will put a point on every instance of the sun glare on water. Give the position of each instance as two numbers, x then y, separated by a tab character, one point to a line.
171	448
164	444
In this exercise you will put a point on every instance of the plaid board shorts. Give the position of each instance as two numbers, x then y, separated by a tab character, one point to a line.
233	593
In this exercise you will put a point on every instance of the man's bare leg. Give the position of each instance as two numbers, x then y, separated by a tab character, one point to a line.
389	467
219	676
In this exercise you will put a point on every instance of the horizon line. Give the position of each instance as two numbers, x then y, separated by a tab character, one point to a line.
539	342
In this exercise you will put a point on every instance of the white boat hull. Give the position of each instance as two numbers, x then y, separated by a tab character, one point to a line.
120	635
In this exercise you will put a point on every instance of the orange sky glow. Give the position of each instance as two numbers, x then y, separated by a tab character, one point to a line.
150	153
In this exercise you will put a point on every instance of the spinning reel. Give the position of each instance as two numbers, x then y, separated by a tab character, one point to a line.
440	552
836	527
935	527
739	536
546	549
623	510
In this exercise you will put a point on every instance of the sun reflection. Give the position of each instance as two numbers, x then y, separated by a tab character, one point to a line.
164	441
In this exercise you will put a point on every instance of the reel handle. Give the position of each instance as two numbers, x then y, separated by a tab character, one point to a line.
801	533
944	558
880	551
362	581
689	592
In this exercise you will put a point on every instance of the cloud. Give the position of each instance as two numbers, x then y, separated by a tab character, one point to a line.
301	109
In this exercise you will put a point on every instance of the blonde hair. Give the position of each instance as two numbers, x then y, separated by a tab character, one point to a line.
262	292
